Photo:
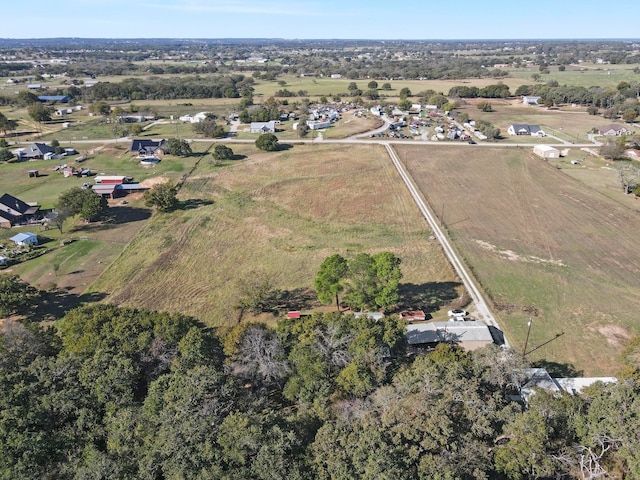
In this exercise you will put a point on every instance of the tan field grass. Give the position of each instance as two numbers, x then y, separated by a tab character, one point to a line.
279	214
543	245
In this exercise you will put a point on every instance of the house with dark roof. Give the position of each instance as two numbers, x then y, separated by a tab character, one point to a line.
522	129
15	210
147	148
6	219
35	151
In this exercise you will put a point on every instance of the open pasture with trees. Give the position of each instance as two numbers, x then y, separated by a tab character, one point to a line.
545	248
276	216
581	75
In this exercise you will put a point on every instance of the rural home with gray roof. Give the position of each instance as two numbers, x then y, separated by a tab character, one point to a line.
470	335
147	148
528	380
263	127
523	129
35	151
16	207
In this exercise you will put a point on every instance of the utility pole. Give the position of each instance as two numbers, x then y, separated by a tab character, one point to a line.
526	342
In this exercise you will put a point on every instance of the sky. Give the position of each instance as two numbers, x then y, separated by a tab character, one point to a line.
322	19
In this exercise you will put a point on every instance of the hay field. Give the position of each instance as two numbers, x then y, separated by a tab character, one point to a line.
544	247
279	214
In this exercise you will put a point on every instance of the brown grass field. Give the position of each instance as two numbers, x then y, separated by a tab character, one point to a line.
544	246
278	214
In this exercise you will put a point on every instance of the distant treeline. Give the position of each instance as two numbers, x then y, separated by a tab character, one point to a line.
223	86
353	59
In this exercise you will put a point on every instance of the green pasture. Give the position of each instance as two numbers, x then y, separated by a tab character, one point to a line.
583	75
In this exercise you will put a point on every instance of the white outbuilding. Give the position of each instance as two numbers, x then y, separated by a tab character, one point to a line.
546	151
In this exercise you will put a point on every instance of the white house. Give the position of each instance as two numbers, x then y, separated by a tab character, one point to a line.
530	100
263	127
25	238
197	118
336	75
319	124
522	129
546	151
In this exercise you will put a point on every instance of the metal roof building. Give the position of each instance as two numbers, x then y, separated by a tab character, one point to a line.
470	335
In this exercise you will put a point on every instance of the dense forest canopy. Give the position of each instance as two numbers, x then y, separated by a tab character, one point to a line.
122	393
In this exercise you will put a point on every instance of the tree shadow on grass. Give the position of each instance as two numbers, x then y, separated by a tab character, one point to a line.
283	147
115	216
55	304
238	157
125	214
558	370
286	300
429	296
193	203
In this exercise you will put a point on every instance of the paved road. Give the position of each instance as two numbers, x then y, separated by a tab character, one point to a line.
482	311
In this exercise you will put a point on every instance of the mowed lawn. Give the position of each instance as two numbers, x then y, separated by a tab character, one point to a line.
544	246
278	214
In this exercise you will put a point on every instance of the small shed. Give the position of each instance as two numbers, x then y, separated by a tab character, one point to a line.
33	173
112	179
412	316
3	261
294	314
25	238
546	151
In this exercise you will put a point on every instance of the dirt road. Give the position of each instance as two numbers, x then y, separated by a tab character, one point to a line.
482	311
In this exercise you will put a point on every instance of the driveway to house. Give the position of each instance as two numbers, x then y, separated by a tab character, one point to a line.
482	311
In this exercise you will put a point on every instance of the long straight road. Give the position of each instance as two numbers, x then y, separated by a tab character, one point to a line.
482	309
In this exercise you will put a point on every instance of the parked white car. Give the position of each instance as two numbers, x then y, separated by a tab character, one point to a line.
457	313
